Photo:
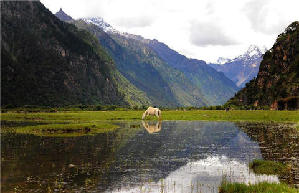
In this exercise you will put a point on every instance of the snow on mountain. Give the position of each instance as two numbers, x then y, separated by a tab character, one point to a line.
252	53
222	60
242	68
253	50
99	21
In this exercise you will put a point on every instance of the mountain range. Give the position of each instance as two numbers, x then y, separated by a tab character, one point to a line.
54	60
277	83
243	68
240	70
153	67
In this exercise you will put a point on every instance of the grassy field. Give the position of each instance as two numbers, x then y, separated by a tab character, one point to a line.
263	187
207	115
91	122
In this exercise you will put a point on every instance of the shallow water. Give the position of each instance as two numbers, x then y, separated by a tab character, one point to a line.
278	142
168	156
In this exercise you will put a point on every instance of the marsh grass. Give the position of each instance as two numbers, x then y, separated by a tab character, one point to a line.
67	130
208	115
263	187
269	167
261	167
57	128
91	122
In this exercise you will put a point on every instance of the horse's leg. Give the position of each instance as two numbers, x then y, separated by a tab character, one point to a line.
157	114
144	115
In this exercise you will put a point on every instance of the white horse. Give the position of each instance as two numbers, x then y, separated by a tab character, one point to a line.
153	112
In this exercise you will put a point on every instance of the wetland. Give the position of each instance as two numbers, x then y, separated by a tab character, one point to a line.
141	156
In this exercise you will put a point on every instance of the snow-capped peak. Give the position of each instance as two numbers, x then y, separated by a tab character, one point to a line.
99	21
253	50
222	60
252	53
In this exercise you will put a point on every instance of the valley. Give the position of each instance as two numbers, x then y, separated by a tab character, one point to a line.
74	90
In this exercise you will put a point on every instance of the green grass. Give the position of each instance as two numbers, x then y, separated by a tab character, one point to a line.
263	187
40	123
269	167
62	124
207	115
66	130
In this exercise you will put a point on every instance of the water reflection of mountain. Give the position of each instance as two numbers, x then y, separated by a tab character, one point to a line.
153	157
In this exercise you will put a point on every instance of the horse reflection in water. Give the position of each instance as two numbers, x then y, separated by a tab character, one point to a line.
152	128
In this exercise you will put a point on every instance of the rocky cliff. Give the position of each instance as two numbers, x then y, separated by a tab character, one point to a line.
277	82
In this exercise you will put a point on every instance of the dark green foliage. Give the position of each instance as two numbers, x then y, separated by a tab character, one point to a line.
277	83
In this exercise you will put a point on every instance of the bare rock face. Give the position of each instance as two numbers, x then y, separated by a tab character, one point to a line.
278	76
63	16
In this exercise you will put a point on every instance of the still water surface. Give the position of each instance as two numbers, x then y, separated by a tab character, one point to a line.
168	156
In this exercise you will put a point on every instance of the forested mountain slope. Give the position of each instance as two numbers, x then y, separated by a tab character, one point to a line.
164	85
167	79
215	86
277	82
45	61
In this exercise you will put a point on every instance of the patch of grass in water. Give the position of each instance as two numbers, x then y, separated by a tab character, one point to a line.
263	187
269	167
66	130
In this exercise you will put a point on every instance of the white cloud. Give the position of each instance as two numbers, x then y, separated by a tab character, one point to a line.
131	22
266	16
205	29
209	34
